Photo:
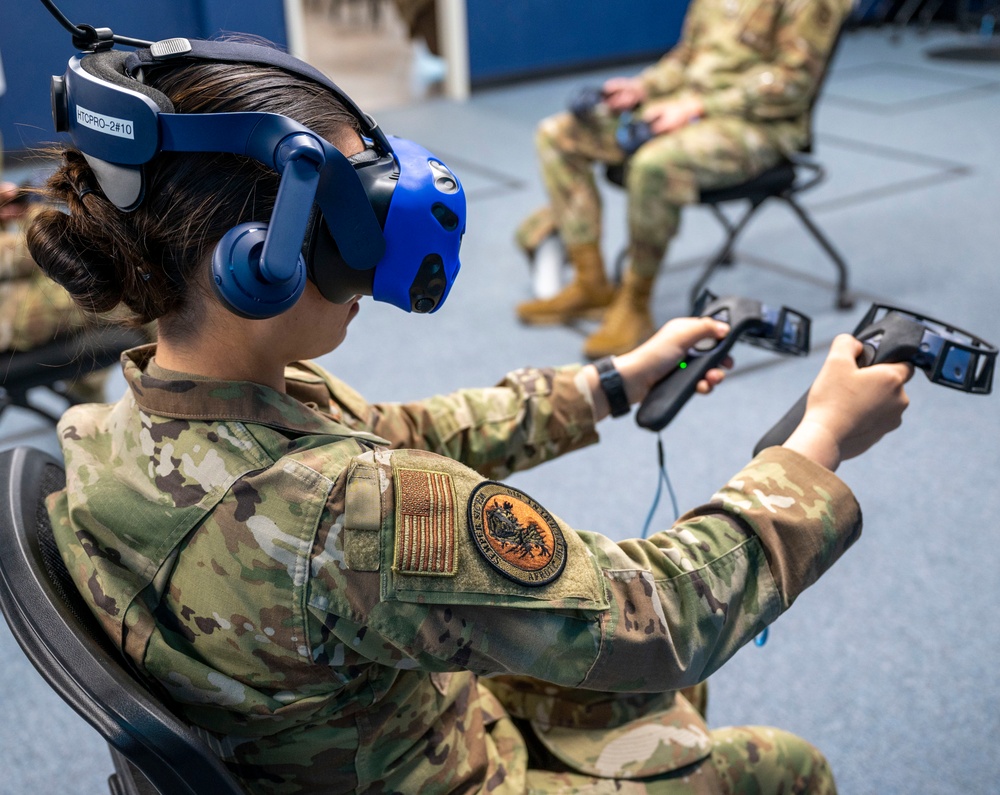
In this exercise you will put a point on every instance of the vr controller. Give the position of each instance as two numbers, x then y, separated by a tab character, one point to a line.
948	356
632	132
783	331
584	101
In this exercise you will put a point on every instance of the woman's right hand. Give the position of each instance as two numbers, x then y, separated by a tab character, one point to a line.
850	408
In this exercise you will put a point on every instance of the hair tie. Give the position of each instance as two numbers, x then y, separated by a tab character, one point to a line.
85	192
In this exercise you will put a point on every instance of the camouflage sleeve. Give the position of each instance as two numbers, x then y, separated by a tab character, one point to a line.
782	86
667	74
460	573
15	261
531	416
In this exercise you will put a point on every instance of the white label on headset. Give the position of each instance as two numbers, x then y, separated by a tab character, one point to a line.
109	125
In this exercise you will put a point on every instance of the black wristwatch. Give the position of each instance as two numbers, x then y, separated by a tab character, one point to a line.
613	386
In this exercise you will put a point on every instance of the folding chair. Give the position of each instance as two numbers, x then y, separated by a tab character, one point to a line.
152	750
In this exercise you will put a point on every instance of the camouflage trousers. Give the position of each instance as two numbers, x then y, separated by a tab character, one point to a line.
661	177
745	760
34	310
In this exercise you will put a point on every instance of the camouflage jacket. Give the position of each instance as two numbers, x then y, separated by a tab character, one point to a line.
758	59
319	583
33	308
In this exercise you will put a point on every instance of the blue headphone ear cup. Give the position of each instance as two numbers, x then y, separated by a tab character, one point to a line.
237	279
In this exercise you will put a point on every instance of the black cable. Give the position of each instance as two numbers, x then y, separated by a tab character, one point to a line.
130	42
62	18
89	35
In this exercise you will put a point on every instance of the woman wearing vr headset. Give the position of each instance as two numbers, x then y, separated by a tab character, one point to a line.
342	593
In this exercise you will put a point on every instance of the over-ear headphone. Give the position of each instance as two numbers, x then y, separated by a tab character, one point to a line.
387	223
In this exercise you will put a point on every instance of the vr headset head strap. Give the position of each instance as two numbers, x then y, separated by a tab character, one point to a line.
247	52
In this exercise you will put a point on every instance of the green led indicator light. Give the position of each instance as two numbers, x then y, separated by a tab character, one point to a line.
683	365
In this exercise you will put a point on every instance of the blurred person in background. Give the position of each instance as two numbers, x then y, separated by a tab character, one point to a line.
728	102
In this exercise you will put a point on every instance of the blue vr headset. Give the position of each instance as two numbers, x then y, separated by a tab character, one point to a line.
386	223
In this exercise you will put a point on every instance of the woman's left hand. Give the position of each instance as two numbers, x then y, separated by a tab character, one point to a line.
645	365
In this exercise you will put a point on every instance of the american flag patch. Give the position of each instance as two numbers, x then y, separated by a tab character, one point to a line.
425	523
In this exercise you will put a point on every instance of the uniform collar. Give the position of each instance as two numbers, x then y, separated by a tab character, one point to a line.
168	393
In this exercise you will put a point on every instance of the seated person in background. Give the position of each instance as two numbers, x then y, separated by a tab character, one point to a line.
341	593
725	104
34	310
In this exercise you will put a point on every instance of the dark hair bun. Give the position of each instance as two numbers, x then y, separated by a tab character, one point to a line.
92	249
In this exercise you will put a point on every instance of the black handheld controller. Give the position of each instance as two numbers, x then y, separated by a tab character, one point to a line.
780	330
632	132
584	101
949	357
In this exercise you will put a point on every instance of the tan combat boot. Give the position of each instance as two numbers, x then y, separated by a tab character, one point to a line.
627	322
586	297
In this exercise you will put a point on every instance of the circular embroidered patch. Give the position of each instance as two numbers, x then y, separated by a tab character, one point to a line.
516	535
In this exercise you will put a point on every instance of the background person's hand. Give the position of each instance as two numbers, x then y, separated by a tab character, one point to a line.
623	93
11	210
672	114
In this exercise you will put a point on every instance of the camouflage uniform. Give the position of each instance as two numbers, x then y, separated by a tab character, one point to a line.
320	584
34	310
754	64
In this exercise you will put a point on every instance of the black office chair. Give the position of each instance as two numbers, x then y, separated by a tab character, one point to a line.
785	181
55	365
152	750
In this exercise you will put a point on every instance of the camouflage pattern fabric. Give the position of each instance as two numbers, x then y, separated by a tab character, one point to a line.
535	230
745	759
320	583
755	66
34	310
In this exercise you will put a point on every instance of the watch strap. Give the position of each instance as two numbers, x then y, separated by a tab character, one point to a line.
613	386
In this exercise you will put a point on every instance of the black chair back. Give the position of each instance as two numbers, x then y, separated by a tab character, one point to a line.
58	363
55	629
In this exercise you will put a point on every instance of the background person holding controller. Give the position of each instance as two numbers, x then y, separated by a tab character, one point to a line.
728	102
319	582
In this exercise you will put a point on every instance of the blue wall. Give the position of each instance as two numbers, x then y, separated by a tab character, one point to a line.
34	46
521	38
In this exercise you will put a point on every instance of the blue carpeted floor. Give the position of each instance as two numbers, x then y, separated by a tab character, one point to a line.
887	664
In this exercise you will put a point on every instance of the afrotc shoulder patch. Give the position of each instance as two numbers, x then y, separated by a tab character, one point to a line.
515	534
